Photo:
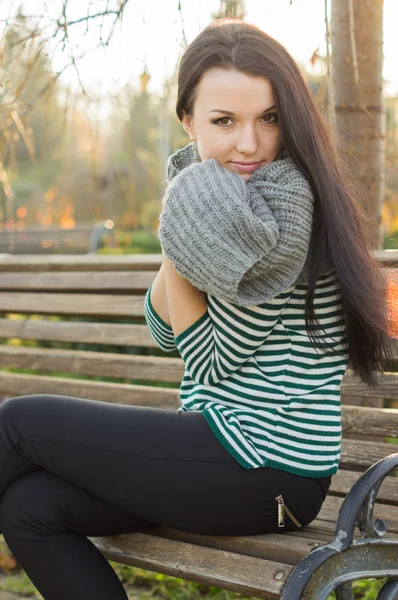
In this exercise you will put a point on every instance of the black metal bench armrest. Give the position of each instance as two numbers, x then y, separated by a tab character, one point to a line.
317	574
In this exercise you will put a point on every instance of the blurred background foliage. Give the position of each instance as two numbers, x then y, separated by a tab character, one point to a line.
64	163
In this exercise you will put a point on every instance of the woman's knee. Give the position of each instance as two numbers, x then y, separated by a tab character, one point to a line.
30	506
12	409
18	414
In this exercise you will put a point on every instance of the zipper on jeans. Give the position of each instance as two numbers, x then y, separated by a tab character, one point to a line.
282	508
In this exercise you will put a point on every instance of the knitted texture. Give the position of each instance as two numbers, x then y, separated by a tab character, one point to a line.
242	241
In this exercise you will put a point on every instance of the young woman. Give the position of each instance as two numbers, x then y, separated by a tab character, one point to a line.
267	290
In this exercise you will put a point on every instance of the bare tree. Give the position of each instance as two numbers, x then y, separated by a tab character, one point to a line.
23	45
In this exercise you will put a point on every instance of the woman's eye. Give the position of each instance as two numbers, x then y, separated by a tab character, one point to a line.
218	121
223	121
271	115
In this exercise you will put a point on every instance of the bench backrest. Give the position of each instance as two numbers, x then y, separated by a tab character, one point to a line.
70	303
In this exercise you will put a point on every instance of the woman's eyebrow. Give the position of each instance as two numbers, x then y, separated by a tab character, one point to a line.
231	114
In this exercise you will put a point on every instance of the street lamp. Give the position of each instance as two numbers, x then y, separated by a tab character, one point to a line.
144	78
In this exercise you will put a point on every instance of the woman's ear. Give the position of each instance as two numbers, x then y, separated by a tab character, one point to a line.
187	124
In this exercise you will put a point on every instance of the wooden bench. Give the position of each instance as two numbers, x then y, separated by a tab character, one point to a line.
81	239
46	299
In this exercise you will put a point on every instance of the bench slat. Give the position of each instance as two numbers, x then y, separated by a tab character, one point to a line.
77	331
98	305
115	365
370	421
80	281
84	362
92	262
271	546
16	384
388	258
353	386
363	454
227	570
383	422
80	331
332	504
343	481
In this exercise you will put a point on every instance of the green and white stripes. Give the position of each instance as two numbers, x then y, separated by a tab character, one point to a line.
267	394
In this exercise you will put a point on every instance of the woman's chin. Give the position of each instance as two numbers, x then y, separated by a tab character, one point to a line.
245	176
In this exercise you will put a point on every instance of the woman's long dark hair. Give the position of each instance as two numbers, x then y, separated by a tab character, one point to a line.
338	235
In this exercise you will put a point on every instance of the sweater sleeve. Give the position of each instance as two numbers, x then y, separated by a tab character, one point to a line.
162	333
207	228
226	336
243	242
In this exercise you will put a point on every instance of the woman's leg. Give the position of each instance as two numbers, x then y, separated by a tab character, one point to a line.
45	520
165	467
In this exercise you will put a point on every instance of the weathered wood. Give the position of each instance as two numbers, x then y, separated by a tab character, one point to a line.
91	262
84	362
138	262
343	481
77	331
364	454
228	570
288	547
114	365
98	305
69	331
387	388
15	384
382	422
332	504
80	281
270	546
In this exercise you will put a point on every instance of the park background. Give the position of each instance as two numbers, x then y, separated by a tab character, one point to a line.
87	122
93	119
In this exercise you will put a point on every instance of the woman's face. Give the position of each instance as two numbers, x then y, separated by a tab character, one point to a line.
235	121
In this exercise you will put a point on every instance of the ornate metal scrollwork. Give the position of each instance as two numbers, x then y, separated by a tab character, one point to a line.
335	565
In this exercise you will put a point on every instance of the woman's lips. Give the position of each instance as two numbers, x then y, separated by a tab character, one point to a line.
246	167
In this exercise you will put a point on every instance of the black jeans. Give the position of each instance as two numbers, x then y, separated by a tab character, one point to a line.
71	468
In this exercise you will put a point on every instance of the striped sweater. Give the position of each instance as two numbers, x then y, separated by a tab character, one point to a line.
269	397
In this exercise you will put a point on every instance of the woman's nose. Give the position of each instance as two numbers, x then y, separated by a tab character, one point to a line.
247	142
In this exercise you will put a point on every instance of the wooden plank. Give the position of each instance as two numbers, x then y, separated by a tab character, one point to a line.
383	422
15	384
332	504
343	481
353	386
151	368
226	570
270	546
85	362
121	262
364	454
88	262
81	281
98	305
77	331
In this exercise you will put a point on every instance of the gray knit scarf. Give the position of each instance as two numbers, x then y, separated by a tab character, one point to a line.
245	242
